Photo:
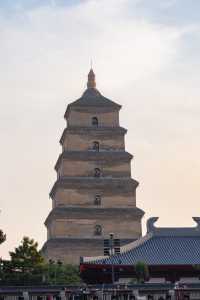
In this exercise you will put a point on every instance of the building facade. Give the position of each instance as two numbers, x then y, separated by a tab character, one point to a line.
94	193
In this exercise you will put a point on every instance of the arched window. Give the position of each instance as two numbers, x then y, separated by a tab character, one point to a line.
97	230
95	146
97	200
97	172
95	121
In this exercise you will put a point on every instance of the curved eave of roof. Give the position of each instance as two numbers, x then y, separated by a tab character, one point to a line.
96	130
74	212
116	156
160	246
92	98
160	251
173	231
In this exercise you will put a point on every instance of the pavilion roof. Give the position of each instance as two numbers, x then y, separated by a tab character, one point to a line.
160	246
92	97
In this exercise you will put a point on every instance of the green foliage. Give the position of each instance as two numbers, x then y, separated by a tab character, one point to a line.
196	267
58	273
2	237
142	271
27	254
27	267
15	274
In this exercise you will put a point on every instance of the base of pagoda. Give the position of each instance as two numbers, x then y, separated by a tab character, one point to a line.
69	250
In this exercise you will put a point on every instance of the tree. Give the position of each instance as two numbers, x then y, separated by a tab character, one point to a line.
25	265
27	253
2	237
59	273
142	271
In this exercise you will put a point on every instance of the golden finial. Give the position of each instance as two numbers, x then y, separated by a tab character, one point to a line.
91	80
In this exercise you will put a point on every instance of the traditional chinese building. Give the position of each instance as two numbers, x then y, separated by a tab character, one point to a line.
171	254
94	193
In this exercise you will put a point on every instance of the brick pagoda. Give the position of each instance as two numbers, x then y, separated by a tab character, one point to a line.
94	193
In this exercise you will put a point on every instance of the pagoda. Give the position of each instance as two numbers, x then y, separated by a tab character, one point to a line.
94	193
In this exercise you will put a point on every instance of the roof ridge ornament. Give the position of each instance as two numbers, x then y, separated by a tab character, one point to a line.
150	224
173	231
197	220
91	80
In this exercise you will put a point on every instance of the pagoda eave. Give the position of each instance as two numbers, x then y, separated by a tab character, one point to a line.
102	182
106	131
108	156
87	212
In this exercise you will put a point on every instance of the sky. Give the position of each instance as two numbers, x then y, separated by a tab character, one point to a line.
145	55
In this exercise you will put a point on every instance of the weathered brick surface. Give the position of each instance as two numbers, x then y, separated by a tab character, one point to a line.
78	222
76	227
81	197
80	142
109	185
69	250
84	118
86	168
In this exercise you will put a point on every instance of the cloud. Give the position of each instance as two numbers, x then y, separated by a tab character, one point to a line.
44	43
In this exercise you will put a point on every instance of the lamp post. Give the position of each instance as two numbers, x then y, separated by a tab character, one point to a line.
112	247
111	255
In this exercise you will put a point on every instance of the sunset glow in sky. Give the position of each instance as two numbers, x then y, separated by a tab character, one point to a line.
146	57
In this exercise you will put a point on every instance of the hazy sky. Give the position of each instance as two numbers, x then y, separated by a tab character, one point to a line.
146	57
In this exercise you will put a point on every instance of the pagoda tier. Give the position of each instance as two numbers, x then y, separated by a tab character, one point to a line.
94	193
83	164
82	138
82	221
112	192
113	185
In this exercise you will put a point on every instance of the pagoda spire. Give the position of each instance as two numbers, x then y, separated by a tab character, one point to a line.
91	80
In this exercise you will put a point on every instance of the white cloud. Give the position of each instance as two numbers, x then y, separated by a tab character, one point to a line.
50	37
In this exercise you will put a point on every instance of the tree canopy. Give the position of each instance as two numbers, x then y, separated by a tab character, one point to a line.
27	253
142	271
27	266
58	273
2	237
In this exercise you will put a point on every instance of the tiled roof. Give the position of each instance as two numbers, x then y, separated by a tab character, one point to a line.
160	246
92	97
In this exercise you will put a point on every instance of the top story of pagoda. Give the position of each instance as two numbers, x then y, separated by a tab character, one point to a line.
94	105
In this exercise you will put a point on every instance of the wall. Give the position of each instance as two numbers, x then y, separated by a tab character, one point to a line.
77	118
64	197
86	168
84	228
75	142
70	250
